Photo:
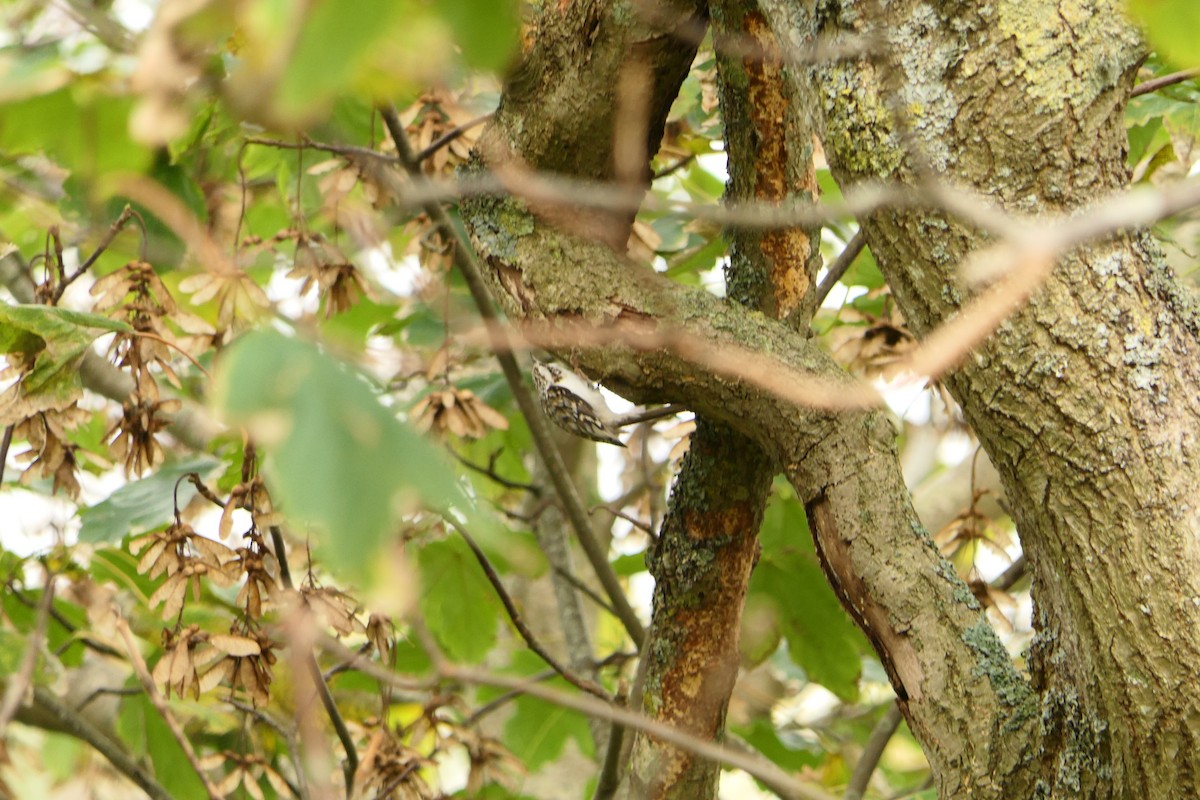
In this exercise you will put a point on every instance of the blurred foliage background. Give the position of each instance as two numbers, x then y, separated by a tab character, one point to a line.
190	192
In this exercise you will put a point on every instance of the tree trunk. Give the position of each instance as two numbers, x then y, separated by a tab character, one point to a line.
1085	399
1081	399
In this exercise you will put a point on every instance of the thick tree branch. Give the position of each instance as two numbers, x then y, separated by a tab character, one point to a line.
48	711
465	259
929	625
1084	398
703	560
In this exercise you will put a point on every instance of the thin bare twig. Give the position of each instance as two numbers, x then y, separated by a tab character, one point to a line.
164	711
840	264
581	683
452	134
65	623
74	724
350	768
464	258
673	168
1016	570
507	697
289	737
648	415
490	472
644	527
1154	84
610	771
584	589
19	683
208	494
4	445
118	225
760	767
881	734
324	147
782	783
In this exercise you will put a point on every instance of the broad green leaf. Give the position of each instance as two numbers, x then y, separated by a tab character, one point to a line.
144	504
295	59
22	613
820	637
789	597
864	271
457	602
1171	27
140	725
118	566
538	731
81	127
486	30
631	564
54	341
784	527
793	754
701	258
338	459
12	649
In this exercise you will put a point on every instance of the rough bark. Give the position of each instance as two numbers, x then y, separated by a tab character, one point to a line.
958	689
703	560
701	565
1084	399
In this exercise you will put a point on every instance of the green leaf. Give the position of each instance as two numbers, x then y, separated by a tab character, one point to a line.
486	30
538	731
339	460
22	613
700	258
140	725
793	755
146	504
295	60
54	341
118	566
864	271
789	597
820	637
631	564
458	603
12	649
333	50
81	127
1171	27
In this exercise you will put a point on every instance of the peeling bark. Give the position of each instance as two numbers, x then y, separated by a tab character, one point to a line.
703	560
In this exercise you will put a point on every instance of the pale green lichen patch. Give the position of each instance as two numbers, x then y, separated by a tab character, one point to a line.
1072	51
992	661
498	224
857	125
926	58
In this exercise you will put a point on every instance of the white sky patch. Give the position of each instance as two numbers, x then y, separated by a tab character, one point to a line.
715	164
906	397
956	447
400	277
714	279
284	292
34	522
136	15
